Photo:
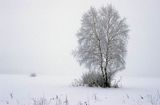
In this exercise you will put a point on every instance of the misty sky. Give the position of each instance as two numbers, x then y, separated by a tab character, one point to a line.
39	35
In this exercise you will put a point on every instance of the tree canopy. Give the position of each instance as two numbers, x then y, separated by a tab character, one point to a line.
102	42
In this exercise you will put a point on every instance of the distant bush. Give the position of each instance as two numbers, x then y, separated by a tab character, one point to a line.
33	75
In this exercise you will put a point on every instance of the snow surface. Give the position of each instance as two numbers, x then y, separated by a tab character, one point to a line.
23	90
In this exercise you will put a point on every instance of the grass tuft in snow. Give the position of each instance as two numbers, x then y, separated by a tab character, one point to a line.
151	99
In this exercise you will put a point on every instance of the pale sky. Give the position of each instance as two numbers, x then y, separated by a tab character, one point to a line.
39	35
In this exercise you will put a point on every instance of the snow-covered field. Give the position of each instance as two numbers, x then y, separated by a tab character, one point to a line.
48	90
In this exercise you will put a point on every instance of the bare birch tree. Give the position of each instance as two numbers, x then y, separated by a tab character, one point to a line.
102	42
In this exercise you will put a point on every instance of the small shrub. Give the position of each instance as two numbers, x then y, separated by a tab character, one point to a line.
33	75
116	83
92	79
77	82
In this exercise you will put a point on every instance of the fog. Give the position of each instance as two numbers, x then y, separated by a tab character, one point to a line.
39	35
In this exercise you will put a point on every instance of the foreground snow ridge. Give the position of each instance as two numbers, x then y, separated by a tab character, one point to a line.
90	100
45	90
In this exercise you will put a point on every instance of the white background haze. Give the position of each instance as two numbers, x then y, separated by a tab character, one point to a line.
39	35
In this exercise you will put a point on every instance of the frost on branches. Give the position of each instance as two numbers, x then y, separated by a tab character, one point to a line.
102	41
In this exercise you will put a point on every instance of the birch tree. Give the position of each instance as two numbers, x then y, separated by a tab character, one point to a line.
102	41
